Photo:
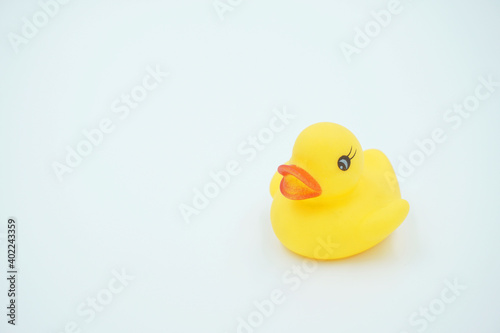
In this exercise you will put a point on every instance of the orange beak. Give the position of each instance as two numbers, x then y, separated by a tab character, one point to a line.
297	183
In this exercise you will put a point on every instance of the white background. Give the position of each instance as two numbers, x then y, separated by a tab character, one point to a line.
119	209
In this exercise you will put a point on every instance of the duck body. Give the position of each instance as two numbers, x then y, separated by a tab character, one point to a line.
321	211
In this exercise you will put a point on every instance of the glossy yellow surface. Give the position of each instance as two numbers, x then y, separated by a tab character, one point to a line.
355	208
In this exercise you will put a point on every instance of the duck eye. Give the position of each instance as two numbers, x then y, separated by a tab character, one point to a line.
344	163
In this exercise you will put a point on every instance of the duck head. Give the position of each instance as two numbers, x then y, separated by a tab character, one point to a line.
327	162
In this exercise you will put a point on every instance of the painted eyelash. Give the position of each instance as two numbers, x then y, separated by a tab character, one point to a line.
350	153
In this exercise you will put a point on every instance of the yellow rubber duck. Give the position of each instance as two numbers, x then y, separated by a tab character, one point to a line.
332	200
